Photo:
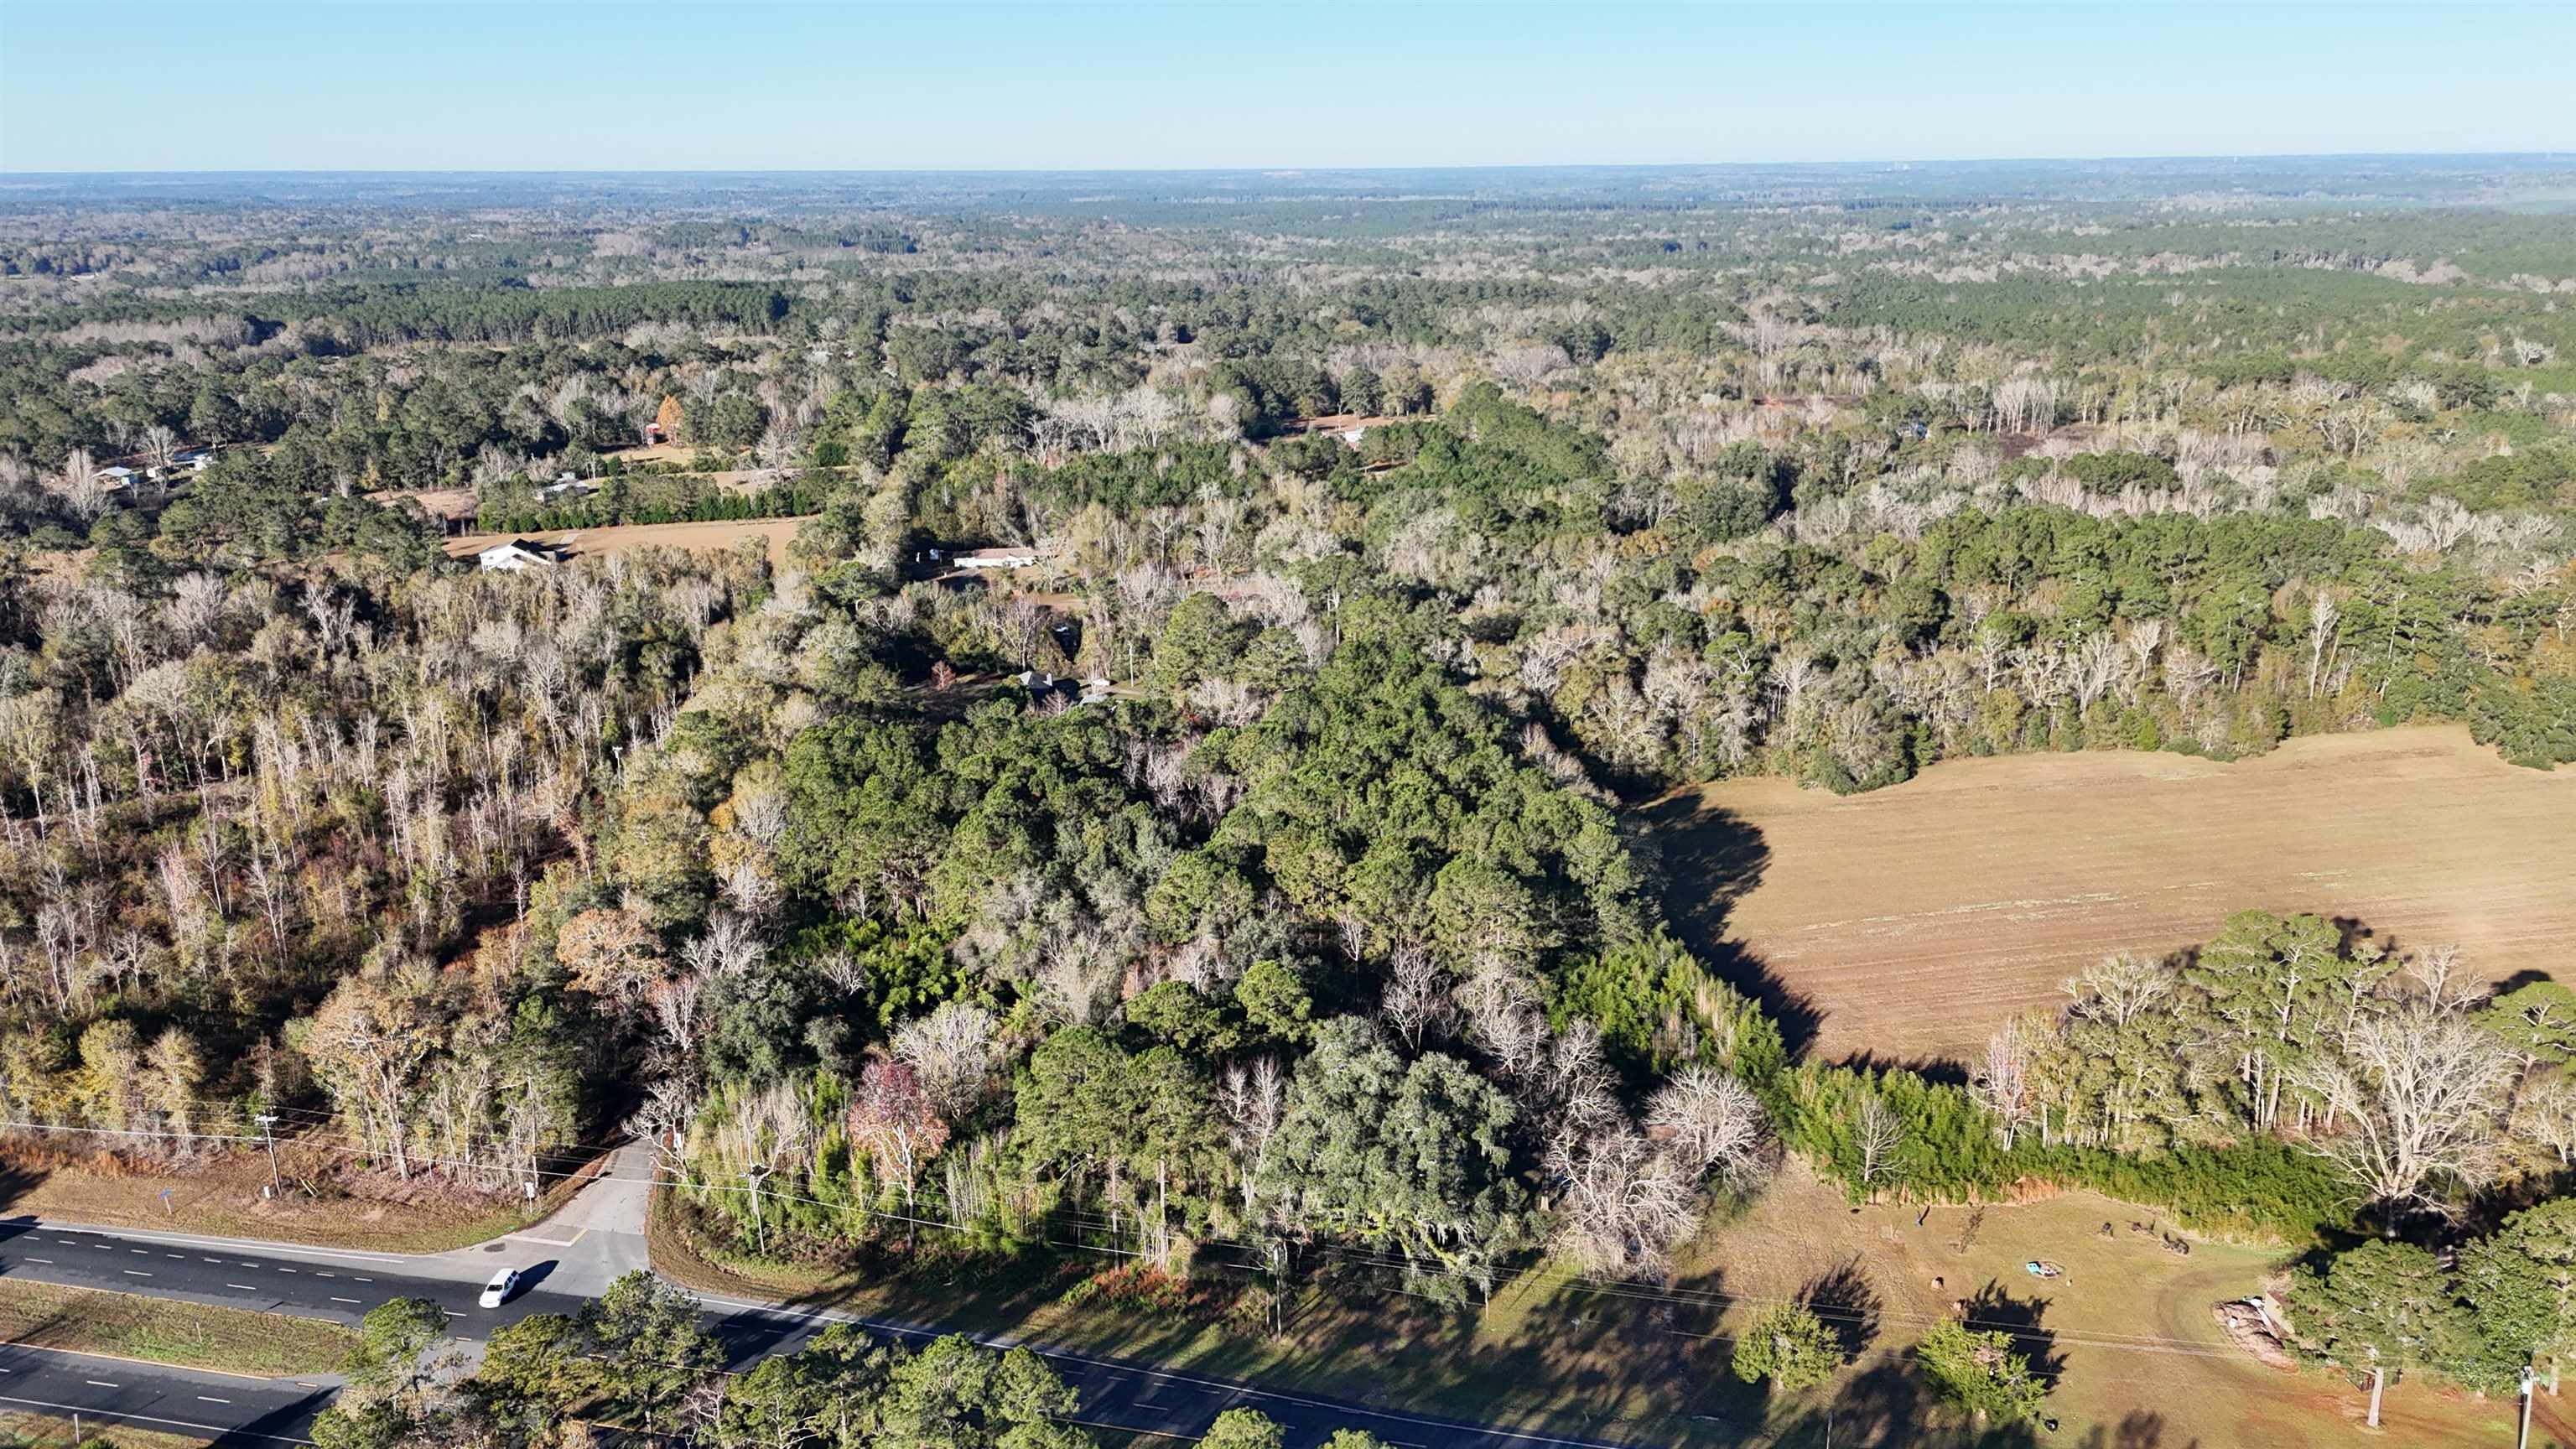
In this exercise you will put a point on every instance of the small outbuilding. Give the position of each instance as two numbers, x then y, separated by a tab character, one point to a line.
517	554
1002	558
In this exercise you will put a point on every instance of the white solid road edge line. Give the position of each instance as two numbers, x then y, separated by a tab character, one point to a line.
215	1432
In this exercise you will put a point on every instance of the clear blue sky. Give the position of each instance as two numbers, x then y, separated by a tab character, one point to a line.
241	85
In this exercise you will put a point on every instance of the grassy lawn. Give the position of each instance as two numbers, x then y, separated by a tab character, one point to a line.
185	1335
221	1198
2127	1333
42	1431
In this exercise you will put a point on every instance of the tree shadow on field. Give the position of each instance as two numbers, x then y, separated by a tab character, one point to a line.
2137	1429
1849	1304
1705	859
1888	1407
1994	1309
2355	935
1940	1071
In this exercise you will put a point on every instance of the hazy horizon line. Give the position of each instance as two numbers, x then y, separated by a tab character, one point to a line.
1286	169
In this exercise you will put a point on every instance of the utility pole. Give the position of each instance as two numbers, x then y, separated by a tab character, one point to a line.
753	1174
268	1131
2522	1438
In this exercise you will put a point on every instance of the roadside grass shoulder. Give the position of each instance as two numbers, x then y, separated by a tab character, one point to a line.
222	1199
159	1330
23	1430
1543	1357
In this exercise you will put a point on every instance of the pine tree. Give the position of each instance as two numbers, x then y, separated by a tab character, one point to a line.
1789	1346
1979	1372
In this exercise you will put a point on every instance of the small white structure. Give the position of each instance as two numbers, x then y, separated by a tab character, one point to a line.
194	460
1003	558
517	554
117	477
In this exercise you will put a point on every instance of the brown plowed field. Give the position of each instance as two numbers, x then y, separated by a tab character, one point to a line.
1910	922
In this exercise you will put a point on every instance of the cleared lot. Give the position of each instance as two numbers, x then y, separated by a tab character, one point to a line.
699	537
1908	923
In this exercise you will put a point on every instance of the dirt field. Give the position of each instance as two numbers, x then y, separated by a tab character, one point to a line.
700	536
1910	922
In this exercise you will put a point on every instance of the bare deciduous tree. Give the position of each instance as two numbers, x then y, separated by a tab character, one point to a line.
2003	1084
1878	1134
2322	615
1713	1123
955	1052
1416	1003
1251	1098
2117	989
729	947
2413	1097
1624	1206
2545	1116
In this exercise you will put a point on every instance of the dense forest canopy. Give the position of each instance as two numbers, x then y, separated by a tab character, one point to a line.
1244	877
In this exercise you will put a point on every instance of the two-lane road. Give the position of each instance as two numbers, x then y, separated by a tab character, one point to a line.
560	1274
149	1396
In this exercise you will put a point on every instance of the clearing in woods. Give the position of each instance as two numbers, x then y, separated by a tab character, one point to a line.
696	537
1907	924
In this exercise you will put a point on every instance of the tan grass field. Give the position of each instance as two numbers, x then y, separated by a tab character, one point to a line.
698	537
2127	1336
1913	920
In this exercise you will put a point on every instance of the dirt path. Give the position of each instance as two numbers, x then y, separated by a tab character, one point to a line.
1914	920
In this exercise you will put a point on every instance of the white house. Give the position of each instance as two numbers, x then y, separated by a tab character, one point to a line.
1002	558
192	459
117	477
517	554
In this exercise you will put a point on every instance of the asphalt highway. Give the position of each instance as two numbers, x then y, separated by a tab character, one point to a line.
559	1275
214	1407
